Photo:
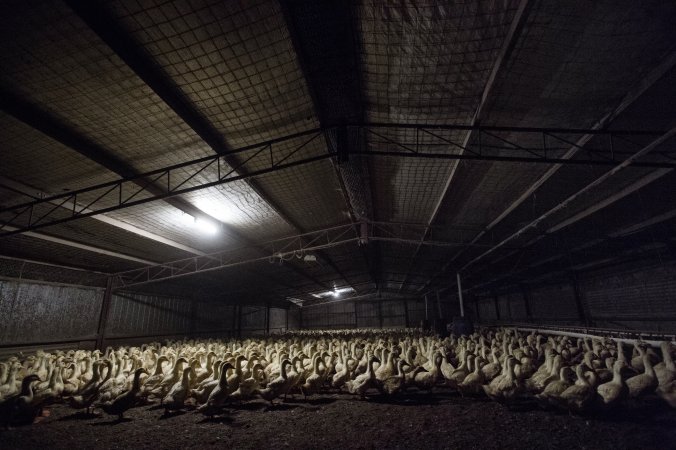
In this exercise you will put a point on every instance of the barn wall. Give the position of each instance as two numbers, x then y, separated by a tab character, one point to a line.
36	314
625	298
33	313
140	315
253	320
375	314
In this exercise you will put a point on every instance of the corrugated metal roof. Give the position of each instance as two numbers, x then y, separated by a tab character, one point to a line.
191	80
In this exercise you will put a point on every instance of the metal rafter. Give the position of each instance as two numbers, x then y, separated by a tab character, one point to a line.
132	191
276	251
51	126
141	62
590	186
634	94
507	46
331	70
598	181
86	247
23	189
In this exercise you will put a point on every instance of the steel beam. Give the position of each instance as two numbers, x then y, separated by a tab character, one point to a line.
52	127
636	92
156	78
87	247
635	186
507	46
68	205
103	316
278	249
598	181
49	264
330	68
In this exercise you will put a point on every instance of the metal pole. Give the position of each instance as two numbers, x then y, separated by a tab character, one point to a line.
462	307
103	318
439	305
406	314
426	318
267	320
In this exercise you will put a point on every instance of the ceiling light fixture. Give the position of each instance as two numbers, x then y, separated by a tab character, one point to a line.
336	292
200	224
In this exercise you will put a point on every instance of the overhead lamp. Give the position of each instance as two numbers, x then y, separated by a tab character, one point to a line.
203	225
206	226
336	292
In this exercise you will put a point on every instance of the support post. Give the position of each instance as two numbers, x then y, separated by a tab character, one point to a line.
103	317
406	321
526	301
267	320
426	314
300	318
497	306
233	329
476	309
193	317
356	324
462	306
380	313
239	321
287	319
579	303
441	315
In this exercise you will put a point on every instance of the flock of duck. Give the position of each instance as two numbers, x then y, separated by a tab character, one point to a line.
507	366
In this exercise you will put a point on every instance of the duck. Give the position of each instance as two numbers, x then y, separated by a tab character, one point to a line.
249	385
395	382
125	401
276	387
201	392
615	390
20	408
386	370
472	383
665	370
169	380
177	395
219	393
365	381
667	392
10	388
314	381
645	382
426	380
340	377
554	389
492	369
461	372
89	391
506	386
157	375
579	396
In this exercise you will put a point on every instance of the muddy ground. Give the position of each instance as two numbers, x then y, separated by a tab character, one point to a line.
414	420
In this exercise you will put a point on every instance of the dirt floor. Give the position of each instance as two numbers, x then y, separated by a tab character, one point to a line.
413	420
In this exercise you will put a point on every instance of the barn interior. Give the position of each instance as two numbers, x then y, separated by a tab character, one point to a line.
419	188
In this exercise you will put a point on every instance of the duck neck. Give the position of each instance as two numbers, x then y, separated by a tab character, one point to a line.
136	385
158	365
666	357
27	387
648	365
